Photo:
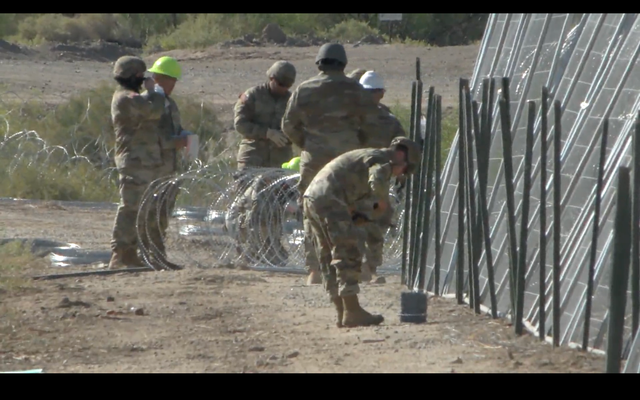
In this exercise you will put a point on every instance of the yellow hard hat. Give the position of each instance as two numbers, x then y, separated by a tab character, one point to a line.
293	164
167	66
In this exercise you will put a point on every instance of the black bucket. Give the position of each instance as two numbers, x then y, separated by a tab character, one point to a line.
413	307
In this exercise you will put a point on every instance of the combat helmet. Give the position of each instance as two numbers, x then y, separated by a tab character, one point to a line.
413	152
127	66
332	51
284	72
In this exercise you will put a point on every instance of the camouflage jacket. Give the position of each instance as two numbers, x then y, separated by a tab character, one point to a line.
359	178
135	119
326	116
170	124
257	110
383	127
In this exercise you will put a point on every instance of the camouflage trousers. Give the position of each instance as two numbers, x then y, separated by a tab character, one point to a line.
307	172
258	241
263	155
336	240
133	184
372	244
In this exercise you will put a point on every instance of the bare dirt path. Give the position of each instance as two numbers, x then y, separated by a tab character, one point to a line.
221	320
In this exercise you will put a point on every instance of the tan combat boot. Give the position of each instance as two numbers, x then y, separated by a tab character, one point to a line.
116	260
130	258
337	302
315	278
354	315
375	277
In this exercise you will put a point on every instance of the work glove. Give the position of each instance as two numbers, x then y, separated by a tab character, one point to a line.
277	137
158	89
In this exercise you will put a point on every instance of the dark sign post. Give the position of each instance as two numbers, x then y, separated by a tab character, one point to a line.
389	19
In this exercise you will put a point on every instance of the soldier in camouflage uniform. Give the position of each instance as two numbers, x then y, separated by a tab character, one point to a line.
138	155
325	117
258	117
386	128
255	217
334	212
166	71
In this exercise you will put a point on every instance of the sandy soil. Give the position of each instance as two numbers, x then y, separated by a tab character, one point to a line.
220	75
222	320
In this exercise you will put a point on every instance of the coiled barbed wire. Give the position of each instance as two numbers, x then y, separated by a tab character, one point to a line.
248	219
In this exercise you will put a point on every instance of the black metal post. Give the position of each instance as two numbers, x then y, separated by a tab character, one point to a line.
461	194
524	221
542	300
635	264
619	272
557	218
594	239
474	283
438	150
511	208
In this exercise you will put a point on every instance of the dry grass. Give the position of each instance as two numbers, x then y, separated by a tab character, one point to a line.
65	152
15	257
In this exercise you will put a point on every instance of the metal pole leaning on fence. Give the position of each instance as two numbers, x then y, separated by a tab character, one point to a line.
557	217
483	149
505	117
594	238
461	194
406	231
619	271
524	221
474	285
430	143
635	263
415	184
422	202
542	301
438	151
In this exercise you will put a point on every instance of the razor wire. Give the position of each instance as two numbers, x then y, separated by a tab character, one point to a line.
220	217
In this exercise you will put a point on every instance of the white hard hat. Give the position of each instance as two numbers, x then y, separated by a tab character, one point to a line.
371	80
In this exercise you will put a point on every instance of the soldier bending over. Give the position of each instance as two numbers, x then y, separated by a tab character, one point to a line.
352	189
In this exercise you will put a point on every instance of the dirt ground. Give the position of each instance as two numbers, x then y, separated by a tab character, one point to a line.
222	320
218	76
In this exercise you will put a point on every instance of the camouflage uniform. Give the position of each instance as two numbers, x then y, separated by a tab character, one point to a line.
170	126
138	154
257	213
330	209
385	127
325	117
356	74
256	111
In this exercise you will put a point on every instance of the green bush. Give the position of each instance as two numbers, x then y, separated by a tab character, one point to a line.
66	152
350	31
171	31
